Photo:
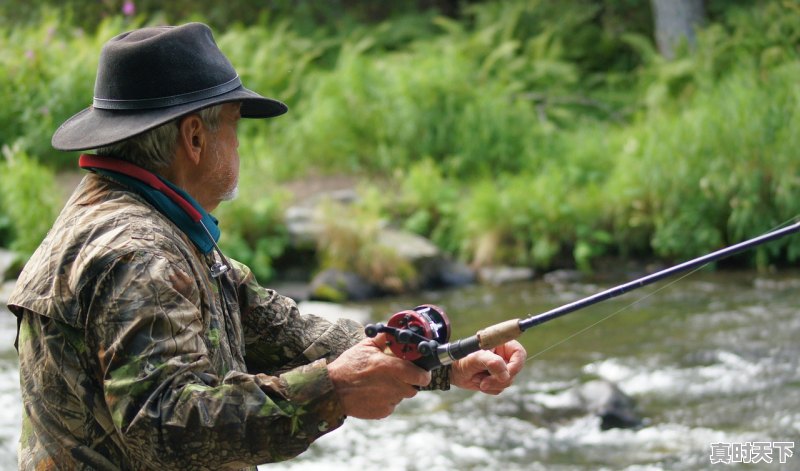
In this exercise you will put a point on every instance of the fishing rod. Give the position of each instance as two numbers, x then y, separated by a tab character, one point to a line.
421	335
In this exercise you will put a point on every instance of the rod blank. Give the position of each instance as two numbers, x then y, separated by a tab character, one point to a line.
533	321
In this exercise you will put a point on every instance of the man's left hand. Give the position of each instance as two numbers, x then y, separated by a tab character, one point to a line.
489	371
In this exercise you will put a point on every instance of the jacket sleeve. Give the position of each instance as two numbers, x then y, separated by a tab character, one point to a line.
278	337
173	410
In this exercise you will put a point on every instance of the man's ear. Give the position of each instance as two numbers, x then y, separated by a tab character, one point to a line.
192	137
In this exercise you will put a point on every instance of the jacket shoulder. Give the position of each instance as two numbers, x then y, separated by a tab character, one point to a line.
93	231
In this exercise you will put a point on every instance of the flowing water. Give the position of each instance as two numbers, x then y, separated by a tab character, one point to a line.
712	358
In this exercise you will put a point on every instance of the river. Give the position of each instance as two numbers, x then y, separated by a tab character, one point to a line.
712	358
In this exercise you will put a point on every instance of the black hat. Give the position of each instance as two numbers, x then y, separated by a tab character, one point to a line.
150	76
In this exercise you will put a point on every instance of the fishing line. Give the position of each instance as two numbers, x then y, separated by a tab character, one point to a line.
624	308
422	335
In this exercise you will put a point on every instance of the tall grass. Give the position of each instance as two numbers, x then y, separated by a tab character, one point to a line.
525	132
47	75
720	170
28	204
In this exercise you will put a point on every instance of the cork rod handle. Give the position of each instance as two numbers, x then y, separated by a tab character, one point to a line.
498	334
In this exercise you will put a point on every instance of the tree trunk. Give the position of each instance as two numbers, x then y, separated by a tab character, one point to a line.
675	21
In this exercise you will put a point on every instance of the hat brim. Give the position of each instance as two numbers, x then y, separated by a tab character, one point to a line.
94	127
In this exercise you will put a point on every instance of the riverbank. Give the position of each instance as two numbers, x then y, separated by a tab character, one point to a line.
500	143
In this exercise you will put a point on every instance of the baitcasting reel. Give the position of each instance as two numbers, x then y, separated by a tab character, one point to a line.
415	335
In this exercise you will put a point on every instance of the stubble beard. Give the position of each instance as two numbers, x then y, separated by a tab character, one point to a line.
231	194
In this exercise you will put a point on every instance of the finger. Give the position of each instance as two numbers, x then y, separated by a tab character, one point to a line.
407	391
496	367
419	377
499	376
517	360
379	341
491	385
408	372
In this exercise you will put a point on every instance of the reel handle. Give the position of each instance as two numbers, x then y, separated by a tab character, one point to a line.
415	335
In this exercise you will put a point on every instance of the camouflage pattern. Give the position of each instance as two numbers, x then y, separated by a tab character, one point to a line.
133	357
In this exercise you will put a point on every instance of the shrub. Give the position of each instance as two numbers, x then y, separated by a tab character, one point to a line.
350	240
28	204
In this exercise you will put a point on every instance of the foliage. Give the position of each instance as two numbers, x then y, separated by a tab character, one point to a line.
28	205
253	229
350	239
477	100
721	169
311	16
521	132
47	75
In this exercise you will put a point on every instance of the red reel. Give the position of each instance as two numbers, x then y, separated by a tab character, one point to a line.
428	321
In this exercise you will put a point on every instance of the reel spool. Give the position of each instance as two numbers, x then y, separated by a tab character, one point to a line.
414	334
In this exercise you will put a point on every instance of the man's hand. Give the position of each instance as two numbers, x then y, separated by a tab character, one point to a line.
489	372
371	383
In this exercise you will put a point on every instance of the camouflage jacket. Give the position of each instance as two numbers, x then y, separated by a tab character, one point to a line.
133	357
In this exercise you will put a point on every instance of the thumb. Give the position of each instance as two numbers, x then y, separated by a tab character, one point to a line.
379	341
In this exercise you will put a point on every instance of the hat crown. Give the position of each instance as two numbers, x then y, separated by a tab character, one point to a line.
153	67
150	76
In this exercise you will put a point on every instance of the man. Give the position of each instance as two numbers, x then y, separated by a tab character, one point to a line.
141	345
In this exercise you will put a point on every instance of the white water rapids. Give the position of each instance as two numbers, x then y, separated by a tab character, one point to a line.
712	359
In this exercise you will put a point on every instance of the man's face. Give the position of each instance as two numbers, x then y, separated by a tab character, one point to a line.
223	157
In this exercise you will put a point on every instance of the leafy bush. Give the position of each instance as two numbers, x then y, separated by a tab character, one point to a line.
47	75
350	240
253	228
28	204
524	132
717	172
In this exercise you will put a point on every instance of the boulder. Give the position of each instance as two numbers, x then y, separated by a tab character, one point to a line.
301	219
453	274
601	398
419	252
607	401
432	269
340	285
500	275
564	277
301	226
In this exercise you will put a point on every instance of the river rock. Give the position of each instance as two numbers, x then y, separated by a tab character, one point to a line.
597	397
606	400
422	254
431	267
340	285
453	274
302	223
500	275
334	311
563	277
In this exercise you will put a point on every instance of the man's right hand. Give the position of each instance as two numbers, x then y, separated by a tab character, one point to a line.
371	383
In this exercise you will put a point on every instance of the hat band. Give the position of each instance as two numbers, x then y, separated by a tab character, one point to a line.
163	102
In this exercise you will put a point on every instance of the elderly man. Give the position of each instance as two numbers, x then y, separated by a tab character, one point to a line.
141	345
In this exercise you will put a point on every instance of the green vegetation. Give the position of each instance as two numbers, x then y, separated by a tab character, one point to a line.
28	205
533	133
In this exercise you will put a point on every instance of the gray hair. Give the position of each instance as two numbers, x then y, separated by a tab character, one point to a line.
154	149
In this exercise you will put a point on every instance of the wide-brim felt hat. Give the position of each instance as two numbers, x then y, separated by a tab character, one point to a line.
150	76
